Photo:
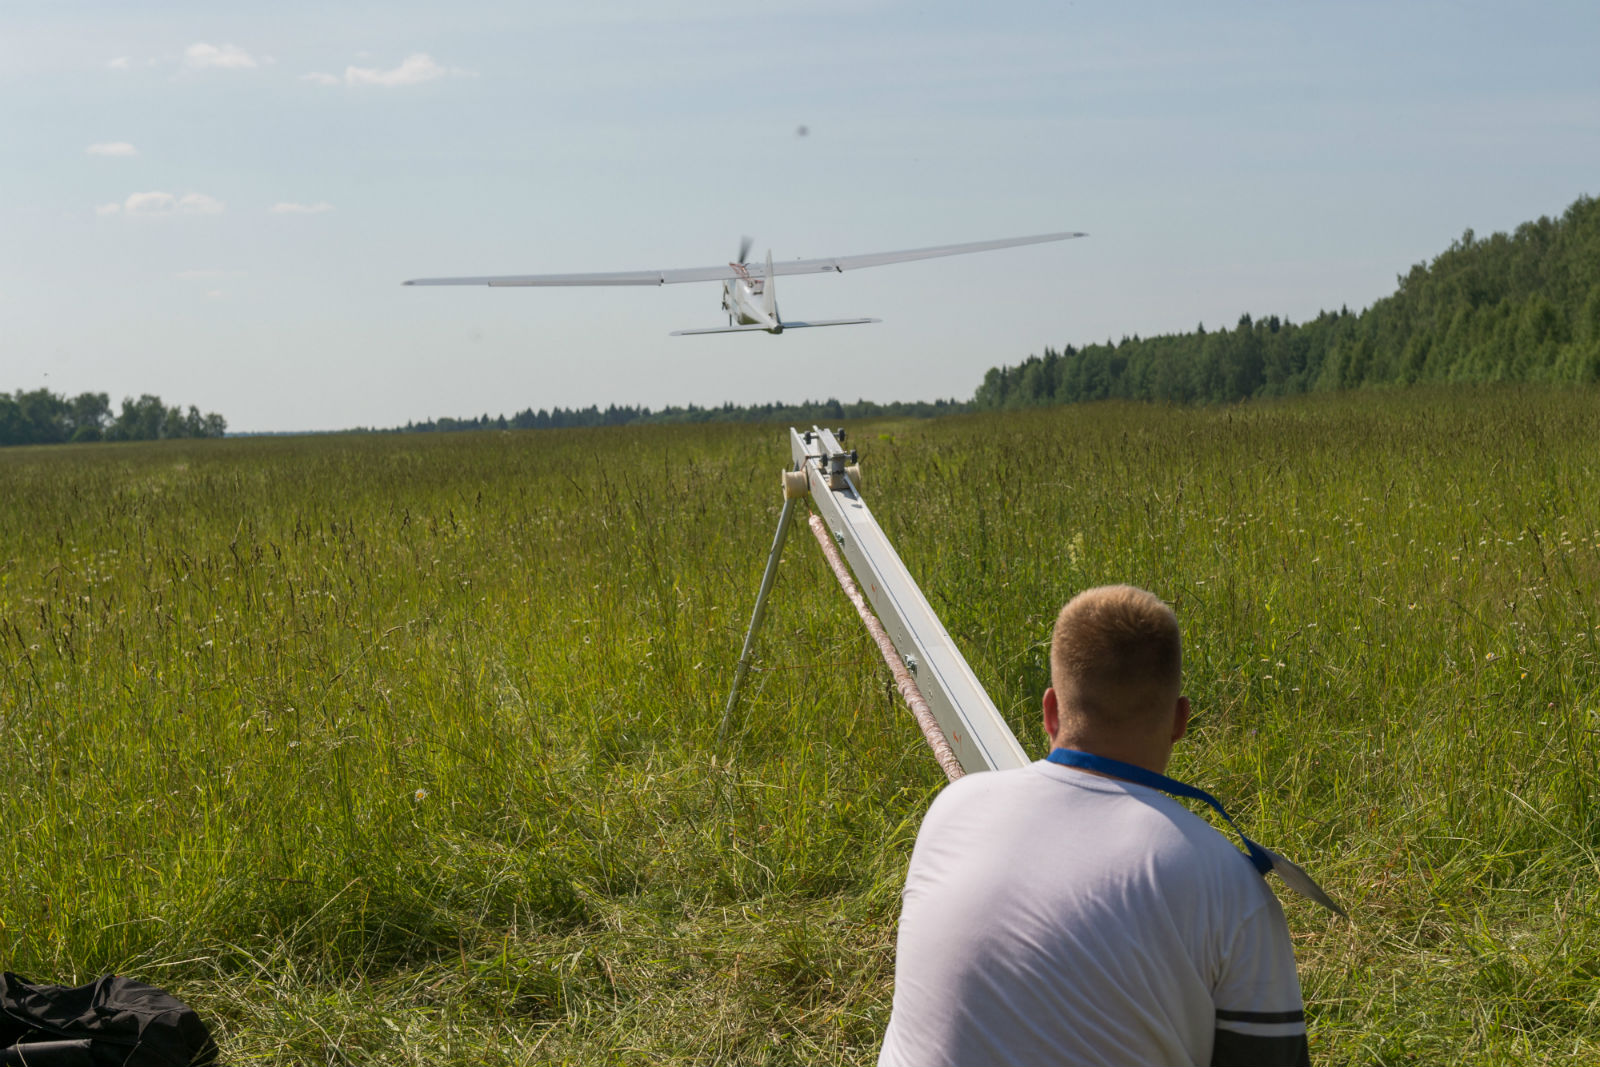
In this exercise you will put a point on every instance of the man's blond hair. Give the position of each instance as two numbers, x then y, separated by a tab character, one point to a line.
1116	655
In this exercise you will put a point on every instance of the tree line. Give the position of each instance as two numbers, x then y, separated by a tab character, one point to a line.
41	417
1523	307
807	411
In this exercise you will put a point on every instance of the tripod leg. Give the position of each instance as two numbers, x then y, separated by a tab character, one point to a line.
767	578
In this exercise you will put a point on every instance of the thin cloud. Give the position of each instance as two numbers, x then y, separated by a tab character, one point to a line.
285	207
120	63
112	148
206	274
413	70
155	204
203	56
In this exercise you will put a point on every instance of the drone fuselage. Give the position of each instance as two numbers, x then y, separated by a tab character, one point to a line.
750	300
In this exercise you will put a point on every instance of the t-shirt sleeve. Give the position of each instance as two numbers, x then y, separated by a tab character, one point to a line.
1260	1019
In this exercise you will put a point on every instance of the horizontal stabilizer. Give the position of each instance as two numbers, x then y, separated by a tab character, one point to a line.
717	329
787	325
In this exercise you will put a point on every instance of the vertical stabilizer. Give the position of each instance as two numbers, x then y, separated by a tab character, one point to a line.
769	291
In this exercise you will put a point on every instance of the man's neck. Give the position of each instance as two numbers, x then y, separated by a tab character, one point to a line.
1151	754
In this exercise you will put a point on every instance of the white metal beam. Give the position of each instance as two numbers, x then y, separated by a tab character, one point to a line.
979	735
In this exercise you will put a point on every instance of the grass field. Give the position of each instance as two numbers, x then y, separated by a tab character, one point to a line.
401	749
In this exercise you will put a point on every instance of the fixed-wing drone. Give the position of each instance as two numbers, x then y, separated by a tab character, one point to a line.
749	294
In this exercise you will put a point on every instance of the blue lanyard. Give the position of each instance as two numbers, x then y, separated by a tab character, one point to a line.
1071	757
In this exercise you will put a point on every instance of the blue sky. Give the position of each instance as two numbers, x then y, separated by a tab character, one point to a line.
217	202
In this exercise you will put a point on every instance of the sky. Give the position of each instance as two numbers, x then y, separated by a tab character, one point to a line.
217	202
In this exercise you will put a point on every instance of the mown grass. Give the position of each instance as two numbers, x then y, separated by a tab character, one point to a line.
401	749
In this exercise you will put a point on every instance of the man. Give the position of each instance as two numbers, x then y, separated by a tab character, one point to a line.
1058	914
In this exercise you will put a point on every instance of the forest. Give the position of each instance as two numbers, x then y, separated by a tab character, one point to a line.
1521	307
40	417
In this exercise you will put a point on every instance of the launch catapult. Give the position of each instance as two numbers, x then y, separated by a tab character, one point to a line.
961	723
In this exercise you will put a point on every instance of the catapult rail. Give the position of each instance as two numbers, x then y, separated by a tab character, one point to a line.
971	723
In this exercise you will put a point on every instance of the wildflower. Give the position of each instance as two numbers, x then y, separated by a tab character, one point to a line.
420	795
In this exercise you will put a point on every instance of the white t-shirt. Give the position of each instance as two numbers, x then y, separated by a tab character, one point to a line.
1053	916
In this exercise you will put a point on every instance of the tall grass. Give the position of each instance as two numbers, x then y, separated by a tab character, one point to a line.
401	750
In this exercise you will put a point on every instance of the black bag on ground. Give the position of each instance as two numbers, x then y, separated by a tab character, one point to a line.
111	1022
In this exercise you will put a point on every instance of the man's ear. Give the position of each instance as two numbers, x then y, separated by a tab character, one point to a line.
1052	714
1180	719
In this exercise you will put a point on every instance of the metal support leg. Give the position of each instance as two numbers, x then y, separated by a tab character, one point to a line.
758	614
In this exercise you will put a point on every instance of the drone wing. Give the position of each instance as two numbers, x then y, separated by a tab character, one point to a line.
620	277
832	264
880	259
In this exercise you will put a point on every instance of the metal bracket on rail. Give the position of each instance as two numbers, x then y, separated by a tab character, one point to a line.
824	470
